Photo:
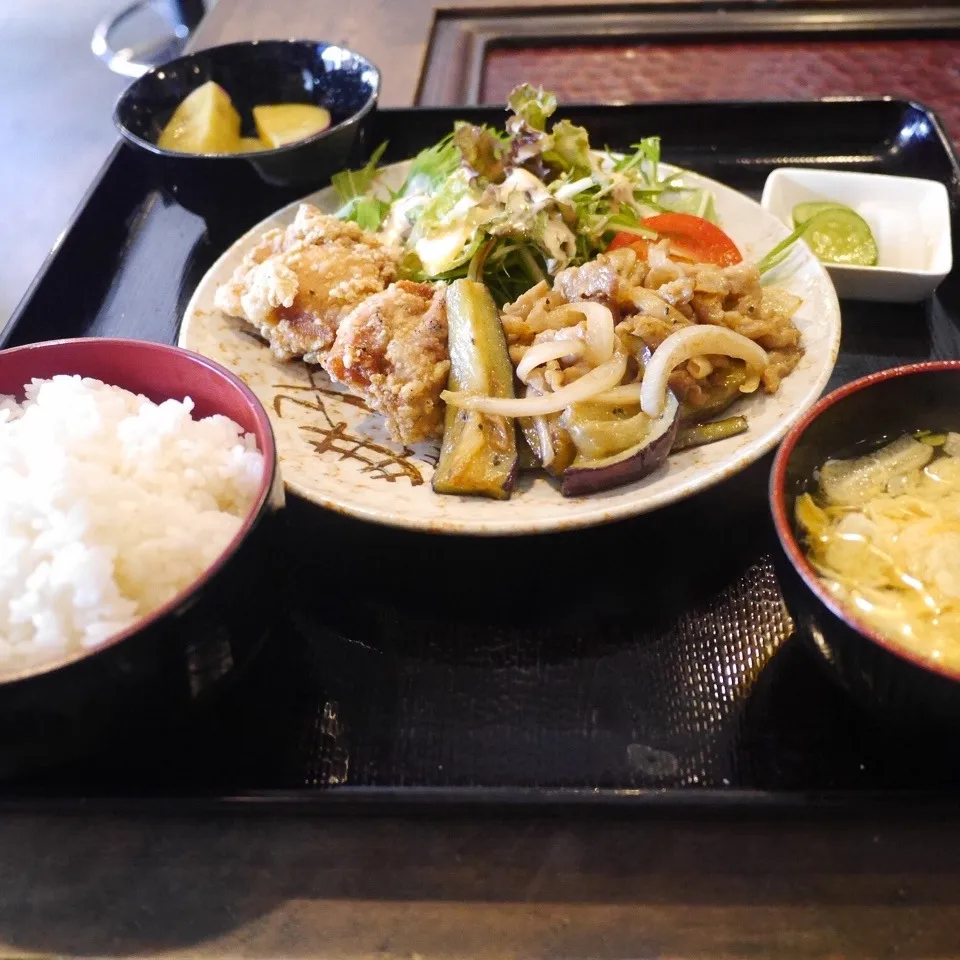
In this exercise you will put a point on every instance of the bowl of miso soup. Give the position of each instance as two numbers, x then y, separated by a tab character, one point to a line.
865	495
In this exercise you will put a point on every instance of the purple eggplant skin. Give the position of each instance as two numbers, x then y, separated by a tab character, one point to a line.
631	464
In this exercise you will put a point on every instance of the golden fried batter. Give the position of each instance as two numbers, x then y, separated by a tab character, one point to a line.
297	284
392	351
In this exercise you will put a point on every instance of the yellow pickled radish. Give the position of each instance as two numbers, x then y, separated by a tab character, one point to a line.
283	123
248	144
204	122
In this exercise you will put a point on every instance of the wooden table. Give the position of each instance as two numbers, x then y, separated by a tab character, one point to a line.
257	887
162	886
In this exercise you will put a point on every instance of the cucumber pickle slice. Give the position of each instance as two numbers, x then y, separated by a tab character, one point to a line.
802	212
836	234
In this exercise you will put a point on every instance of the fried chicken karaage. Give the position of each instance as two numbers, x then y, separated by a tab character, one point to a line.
297	285
392	352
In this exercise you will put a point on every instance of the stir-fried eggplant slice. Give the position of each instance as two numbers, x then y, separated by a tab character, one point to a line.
701	434
527	460
598	431
721	392
549	441
479	452
654	439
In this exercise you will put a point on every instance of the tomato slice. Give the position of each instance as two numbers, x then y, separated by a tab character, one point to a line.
624	239
694	235
691	238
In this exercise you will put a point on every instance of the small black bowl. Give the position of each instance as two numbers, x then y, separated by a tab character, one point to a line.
169	665
893	683
230	188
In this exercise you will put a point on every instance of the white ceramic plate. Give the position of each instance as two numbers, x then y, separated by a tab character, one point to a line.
335	453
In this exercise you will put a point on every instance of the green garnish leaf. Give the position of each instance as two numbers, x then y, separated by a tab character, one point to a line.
695	201
350	184
366	212
352	187
781	251
626	222
647	150
432	165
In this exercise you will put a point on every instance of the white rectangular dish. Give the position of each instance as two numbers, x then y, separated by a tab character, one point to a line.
909	219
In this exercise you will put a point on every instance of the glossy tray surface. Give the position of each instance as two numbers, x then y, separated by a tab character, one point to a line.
649	661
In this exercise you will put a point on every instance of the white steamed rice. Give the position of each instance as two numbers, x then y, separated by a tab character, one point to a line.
109	506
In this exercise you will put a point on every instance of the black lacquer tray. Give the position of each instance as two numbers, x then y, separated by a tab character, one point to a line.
649	663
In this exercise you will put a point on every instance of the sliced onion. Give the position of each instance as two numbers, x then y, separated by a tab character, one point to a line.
624	396
600	335
569	190
690	342
649	304
544	440
541	353
601	378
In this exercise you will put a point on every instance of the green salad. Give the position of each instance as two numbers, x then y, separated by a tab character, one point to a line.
511	207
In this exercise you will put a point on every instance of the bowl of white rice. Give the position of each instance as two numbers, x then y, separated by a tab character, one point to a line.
139	507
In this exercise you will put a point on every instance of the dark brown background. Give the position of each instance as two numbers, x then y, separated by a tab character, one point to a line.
927	70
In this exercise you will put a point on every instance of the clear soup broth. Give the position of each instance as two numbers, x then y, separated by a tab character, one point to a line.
882	531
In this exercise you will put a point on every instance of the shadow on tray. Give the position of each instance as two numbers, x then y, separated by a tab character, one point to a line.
650	653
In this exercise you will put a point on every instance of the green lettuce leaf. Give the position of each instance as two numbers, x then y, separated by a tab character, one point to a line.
531	106
569	148
442	201
481	151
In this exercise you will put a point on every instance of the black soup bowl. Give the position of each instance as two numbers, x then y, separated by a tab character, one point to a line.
173	663
232	191
894	684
